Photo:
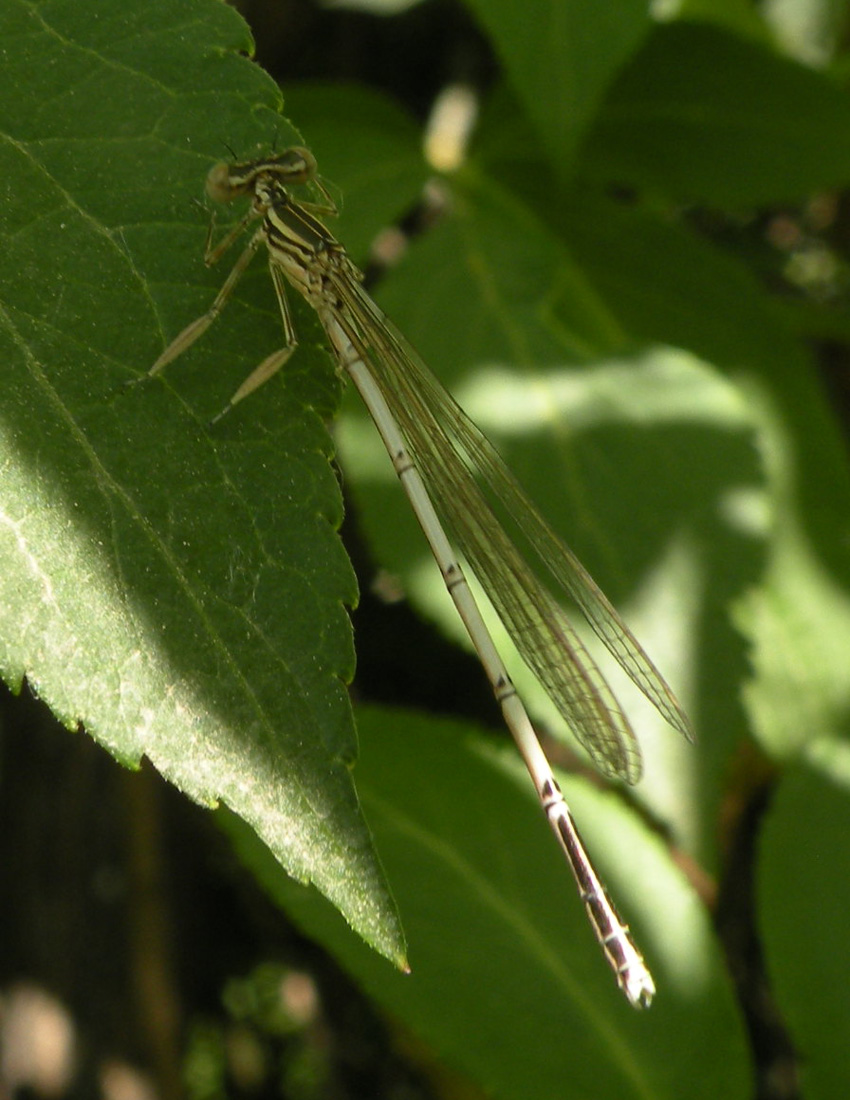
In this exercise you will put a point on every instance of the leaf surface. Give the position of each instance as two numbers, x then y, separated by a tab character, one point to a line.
178	590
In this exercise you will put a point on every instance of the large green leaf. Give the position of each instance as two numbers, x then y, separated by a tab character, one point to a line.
507	981
560	58
178	590
804	894
699	115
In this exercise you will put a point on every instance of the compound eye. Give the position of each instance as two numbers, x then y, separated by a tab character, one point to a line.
297	165
221	186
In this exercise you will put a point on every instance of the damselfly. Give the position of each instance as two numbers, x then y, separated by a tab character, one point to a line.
448	468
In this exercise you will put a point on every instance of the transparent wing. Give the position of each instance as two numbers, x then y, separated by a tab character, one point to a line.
454	456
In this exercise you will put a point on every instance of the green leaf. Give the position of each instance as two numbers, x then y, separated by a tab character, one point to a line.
799	618
737	15
560	58
178	590
804	896
665	284
507	981
700	115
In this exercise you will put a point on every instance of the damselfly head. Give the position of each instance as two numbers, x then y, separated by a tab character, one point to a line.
227	182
